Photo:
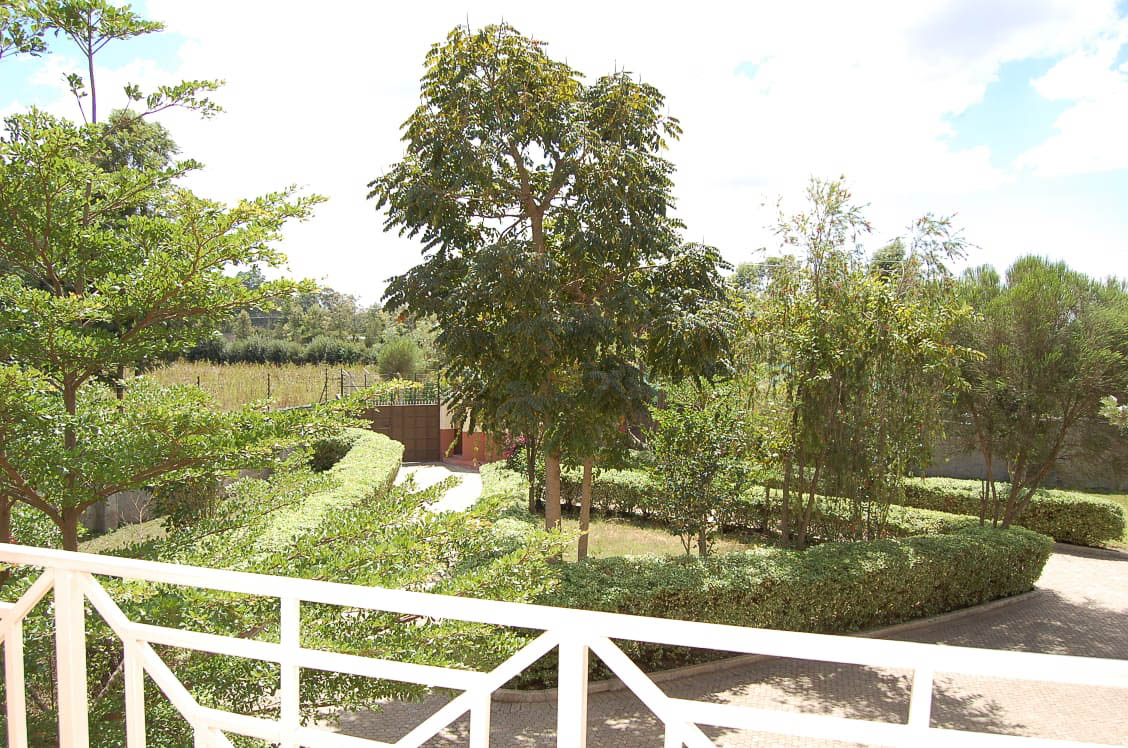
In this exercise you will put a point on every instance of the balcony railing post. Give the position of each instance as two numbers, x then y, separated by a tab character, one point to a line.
70	648
134	698
480	721
290	639
571	704
14	685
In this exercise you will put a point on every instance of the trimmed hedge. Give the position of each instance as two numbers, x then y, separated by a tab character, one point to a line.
368	468
830	588
1066	516
633	492
834	587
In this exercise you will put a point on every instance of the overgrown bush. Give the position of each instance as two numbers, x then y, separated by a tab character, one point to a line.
399	358
329	350
1066	516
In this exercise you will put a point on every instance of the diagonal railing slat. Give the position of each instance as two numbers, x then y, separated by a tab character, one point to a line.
573	632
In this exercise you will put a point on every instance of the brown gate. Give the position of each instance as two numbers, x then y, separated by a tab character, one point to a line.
414	426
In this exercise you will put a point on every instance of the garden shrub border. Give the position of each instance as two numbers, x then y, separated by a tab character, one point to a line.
369	467
931	506
838	588
1066	516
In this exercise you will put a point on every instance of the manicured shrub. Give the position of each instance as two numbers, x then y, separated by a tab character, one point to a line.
829	588
635	493
369	468
328	452
833	587
1066	516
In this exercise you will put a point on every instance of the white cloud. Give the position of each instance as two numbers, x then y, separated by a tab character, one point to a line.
316	93
1089	135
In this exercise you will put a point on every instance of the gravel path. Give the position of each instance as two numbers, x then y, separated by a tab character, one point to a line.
1082	609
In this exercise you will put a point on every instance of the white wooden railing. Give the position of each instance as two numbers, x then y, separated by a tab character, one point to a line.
573	632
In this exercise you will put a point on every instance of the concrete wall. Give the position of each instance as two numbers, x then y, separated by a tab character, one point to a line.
125	508
1107	471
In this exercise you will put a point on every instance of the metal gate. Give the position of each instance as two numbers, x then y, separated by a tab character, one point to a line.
414	426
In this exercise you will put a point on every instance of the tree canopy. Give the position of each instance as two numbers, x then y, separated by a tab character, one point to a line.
552	259
108	263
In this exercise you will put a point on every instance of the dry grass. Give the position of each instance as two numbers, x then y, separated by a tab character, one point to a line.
234	385
616	536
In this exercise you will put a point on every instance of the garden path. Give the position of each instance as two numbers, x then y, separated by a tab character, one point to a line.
1081	608
457	498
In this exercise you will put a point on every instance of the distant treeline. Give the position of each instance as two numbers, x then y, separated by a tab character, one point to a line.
327	327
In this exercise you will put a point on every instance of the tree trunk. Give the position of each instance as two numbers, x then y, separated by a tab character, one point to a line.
5	532
70	527
785	509
585	511
531	471
552	491
703	543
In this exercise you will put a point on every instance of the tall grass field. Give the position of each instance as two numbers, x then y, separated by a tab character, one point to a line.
288	385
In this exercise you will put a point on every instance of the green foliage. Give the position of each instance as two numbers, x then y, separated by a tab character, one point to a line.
1053	345
701	443
107	265
1066	516
345	525
637	493
552	259
328	350
850	369
830	588
399	358
328	452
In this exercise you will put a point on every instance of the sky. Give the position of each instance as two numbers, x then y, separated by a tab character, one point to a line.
1009	115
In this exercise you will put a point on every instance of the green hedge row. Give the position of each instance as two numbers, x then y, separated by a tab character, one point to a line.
1066	516
931	506
633	492
368	468
831	588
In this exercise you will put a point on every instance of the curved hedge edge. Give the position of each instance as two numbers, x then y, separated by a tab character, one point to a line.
368	469
829	588
1066	516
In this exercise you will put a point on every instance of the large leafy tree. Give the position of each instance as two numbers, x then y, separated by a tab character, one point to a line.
106	264
552	262
1053	344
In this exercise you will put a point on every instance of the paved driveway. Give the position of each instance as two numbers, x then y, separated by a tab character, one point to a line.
456	499
1081	609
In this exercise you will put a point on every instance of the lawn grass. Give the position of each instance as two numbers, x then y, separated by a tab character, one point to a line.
618	536
124	536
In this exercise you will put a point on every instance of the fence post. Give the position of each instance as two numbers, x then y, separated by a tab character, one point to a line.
70	648
268	384
14	685
572	693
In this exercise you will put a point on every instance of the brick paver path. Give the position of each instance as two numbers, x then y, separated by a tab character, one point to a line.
1081	610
